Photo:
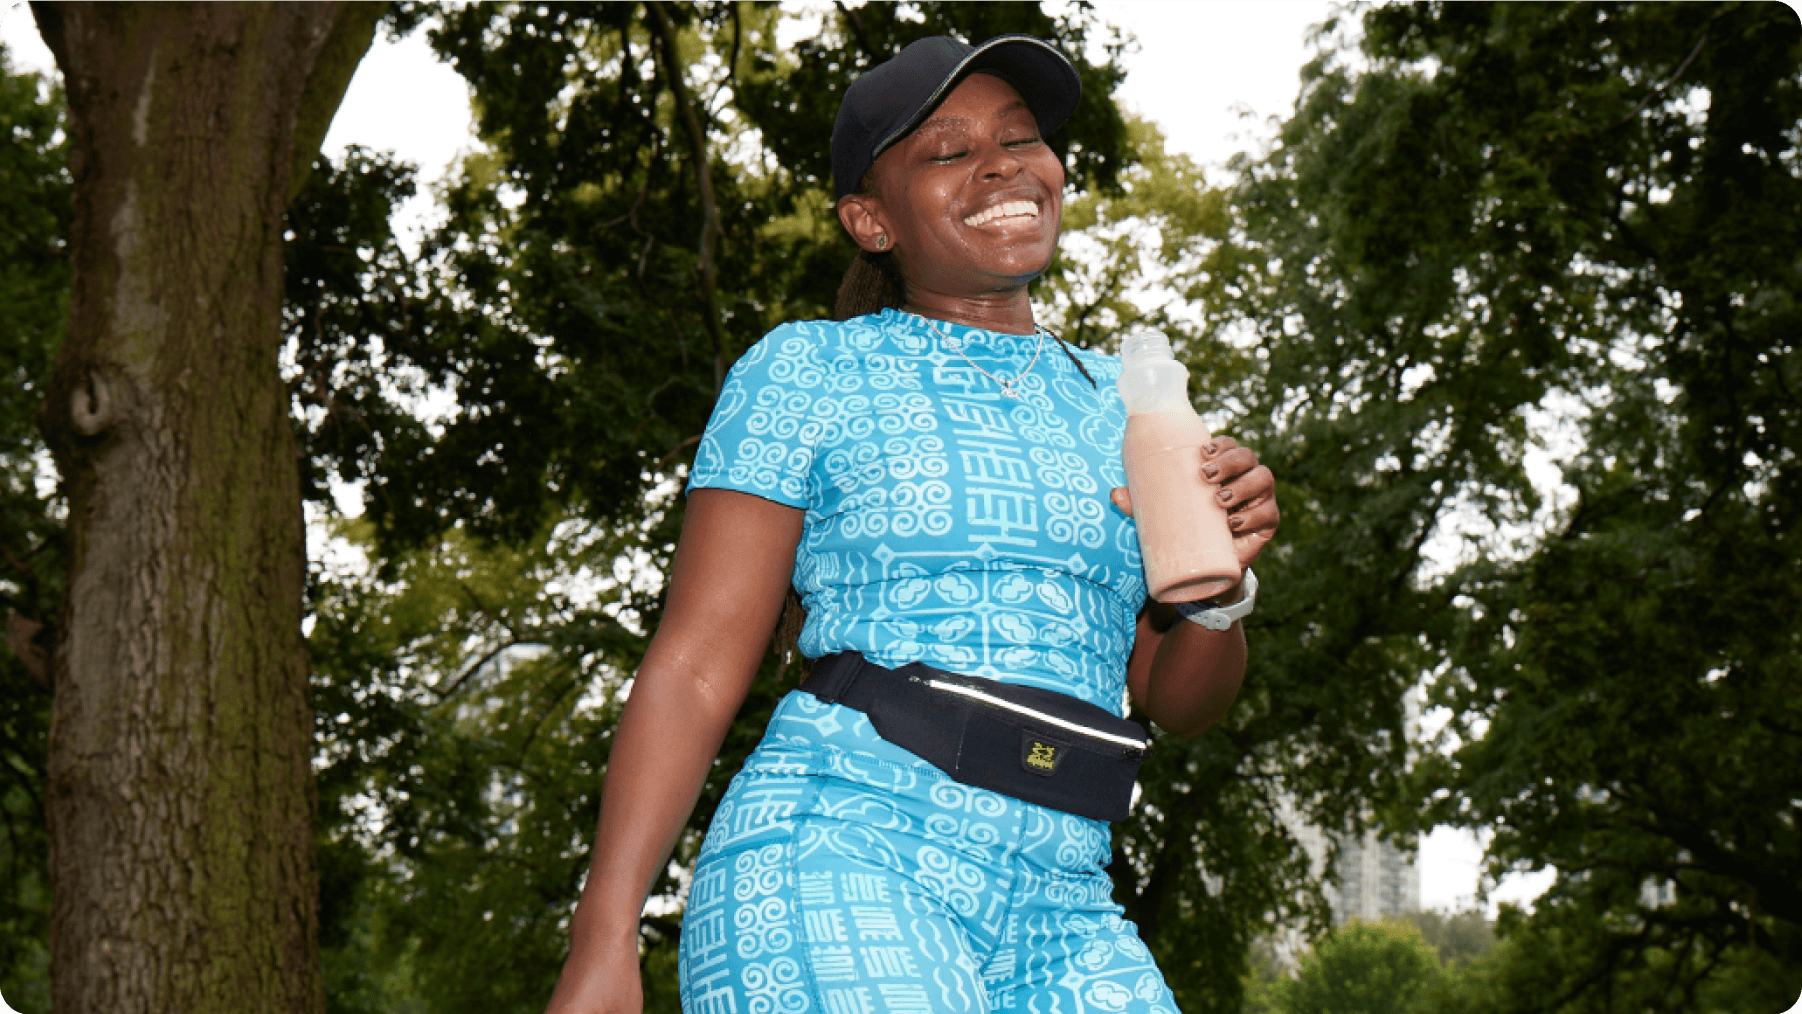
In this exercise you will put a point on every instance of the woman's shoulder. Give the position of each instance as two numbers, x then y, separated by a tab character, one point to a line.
886	331
855	334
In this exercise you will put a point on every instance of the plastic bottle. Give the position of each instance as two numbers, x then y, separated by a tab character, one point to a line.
1183	537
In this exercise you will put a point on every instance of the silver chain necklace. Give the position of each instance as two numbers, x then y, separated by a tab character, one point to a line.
1007	386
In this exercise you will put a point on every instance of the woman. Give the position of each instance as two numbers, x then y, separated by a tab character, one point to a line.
931	478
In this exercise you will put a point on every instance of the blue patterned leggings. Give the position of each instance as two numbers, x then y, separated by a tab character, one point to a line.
842	875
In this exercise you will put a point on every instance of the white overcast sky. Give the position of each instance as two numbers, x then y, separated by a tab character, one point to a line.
1211	73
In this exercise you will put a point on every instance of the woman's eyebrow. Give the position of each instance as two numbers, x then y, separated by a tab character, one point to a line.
940	124
937	123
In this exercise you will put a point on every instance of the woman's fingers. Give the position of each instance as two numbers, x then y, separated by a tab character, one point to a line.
1217	446
1262	516
1247	547
1252	513
1122	498
1228	465
1245	488
1254	485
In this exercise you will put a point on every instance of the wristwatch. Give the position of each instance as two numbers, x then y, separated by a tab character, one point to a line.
1221	617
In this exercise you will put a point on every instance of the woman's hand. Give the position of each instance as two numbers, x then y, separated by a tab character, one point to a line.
607	984
1244	487
1248	491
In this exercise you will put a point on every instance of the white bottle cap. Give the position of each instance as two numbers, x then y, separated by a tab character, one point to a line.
1145	345
1151	380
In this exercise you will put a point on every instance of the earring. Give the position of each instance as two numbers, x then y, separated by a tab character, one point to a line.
882	242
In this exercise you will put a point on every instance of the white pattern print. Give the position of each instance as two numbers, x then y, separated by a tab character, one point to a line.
944	522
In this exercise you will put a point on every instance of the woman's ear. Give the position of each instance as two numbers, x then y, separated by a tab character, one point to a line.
862	217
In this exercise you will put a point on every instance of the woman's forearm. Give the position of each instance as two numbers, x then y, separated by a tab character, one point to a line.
731	572
662	752
1183	675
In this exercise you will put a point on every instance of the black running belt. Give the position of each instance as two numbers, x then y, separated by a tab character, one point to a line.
1033	744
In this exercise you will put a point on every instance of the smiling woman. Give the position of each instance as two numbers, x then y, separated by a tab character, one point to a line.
924	826
971	201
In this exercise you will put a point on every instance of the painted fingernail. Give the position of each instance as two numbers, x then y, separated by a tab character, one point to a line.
1226	494
1235	522
1210	470
1211	448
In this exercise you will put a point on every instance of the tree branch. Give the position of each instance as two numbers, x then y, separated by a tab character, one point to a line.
473	668
1660	90
353	29
490	614
21	637
678	449
696	137
731	78
857	31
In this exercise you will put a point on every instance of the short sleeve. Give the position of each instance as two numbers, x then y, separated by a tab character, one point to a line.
762	438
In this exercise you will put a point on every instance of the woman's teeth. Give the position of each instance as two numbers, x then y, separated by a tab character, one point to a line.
1006	209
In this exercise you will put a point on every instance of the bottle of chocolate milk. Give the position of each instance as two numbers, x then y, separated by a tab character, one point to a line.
1183	537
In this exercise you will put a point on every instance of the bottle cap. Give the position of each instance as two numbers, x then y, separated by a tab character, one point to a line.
1145	346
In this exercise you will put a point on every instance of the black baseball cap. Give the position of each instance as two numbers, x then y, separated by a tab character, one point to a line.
893	98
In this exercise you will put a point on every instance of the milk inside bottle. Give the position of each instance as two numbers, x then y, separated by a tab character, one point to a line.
1183	537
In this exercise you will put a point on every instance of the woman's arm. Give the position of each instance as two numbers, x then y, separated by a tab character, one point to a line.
732	569
1183	675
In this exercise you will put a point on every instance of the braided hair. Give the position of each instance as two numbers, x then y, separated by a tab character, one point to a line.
872	284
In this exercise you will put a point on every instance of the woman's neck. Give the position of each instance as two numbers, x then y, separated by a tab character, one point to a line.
1007	312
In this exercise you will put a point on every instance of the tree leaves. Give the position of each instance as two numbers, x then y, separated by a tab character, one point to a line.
1586	213
34	305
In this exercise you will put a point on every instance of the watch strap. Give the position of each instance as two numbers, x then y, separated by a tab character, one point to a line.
1221	617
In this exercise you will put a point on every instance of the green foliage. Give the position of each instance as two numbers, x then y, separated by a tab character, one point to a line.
1362	968
1118	245
34	280
1511	976
465	711
1422	962
1517	223
353	311
1459	938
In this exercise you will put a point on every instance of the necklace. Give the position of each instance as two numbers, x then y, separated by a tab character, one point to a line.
1007	386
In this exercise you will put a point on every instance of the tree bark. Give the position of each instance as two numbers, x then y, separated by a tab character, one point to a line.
181	790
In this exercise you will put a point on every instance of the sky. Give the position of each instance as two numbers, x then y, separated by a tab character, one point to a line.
1211	73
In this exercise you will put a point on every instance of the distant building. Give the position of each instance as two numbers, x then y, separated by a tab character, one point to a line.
1376	879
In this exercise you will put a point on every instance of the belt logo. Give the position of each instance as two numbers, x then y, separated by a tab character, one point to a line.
1041	757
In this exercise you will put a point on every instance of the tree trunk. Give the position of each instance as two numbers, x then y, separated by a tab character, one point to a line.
181	793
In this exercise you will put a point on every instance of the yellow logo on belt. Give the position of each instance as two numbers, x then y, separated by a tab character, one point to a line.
1042	756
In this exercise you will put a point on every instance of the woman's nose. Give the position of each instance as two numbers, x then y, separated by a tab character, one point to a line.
1000	163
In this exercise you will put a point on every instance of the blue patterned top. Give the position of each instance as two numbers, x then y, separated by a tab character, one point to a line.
945	523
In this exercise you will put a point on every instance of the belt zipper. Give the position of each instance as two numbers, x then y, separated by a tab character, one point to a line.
1084	730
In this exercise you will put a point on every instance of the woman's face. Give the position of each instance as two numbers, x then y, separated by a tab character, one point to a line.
971	200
